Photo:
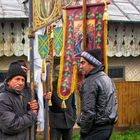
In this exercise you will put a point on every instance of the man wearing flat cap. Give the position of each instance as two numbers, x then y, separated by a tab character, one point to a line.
98	99
17	112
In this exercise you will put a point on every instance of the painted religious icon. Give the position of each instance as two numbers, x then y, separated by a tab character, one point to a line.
78	35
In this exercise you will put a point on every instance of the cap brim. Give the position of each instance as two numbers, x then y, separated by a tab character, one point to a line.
78	55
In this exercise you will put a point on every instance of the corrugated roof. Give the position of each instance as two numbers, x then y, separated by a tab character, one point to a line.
13	9
124	10
119	10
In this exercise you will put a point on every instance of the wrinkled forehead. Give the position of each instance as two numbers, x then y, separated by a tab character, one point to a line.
18	77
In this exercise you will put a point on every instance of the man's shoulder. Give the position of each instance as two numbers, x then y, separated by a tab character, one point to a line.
2	87
3	96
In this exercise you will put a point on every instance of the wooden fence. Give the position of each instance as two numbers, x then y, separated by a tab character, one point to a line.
128	104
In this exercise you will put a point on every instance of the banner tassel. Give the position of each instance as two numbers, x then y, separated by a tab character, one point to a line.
49	103
63	105
105	19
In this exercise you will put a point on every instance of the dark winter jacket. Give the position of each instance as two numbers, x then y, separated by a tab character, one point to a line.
59	117
15	116
98	101
2	86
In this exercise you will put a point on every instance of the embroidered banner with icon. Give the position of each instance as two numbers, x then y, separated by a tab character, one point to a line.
72	43
45	12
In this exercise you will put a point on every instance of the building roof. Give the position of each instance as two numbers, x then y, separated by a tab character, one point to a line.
13	9
119	10
124	10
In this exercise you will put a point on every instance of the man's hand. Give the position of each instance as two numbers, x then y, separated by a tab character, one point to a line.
48	95
34	106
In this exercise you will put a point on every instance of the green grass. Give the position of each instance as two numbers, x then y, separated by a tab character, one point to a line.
125	135
76	136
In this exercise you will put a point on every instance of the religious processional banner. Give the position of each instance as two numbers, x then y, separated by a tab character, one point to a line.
45	12
58	37
43	46
49	46
44	43
72	43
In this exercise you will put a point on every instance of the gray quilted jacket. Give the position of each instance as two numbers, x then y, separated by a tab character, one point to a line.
98	101
15	117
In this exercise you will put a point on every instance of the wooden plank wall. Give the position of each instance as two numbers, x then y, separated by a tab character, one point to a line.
128	104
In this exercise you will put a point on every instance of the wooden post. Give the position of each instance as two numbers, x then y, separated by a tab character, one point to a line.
105	19
84	24
31	37
46	118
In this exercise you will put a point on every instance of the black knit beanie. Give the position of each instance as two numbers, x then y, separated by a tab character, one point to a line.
15	69
92	56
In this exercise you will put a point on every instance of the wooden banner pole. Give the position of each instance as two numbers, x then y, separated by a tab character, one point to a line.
31	42
84	24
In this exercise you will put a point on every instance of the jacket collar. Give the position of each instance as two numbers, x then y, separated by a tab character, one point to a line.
11	90
95	70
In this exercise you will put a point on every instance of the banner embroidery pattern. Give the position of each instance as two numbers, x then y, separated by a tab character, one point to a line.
72	43
43	46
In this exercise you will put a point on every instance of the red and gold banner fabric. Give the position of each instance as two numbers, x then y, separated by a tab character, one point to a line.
72	43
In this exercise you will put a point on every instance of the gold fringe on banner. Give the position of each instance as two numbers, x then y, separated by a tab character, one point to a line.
51	45
45	12
43	76
105	19
62	64
42	16
50	103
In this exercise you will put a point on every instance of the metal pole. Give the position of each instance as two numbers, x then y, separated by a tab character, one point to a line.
31	41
